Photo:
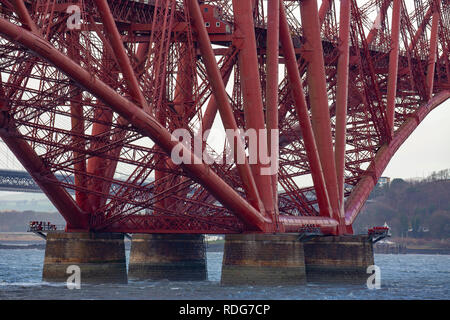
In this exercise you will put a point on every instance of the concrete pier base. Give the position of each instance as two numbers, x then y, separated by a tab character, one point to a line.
339	259
100	257
263	259
176	257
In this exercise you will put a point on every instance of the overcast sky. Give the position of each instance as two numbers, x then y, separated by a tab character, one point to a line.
427	149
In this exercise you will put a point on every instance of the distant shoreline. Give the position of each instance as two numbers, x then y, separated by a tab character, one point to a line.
22	247
213	246
28	240
412	246
19	236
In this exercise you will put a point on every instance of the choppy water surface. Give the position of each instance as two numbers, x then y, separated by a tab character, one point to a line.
402	277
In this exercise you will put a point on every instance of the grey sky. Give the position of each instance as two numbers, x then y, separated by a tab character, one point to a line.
427	149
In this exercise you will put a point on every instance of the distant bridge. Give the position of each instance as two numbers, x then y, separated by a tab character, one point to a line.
19	181
22	181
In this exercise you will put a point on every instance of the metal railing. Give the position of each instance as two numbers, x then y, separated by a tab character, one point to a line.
40	226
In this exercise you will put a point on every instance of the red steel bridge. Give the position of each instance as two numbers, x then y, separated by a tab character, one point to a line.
345	83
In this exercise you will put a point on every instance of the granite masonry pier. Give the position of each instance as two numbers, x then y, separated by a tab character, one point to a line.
340	259
100	257
263	259
168	256
248	259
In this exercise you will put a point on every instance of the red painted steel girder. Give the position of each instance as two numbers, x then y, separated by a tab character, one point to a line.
98	105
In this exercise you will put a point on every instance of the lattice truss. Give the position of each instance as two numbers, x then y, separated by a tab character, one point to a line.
94	106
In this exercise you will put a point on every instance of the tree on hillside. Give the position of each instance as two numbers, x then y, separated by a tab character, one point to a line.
403	225
410	204
440	224
398	183
415	225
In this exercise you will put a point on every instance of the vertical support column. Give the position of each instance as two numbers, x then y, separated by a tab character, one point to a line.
226	113
110	169
161	176
273	35
433	49
318	98
101	127
252	96
341	97
168	256
303	115
78	128
183	98
96	165
185	81
393	66
133	87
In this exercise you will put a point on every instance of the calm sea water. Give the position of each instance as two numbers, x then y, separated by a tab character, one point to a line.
402	277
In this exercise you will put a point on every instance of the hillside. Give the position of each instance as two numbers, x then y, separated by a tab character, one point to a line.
416	209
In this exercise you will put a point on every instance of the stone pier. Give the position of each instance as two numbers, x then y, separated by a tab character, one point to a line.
340	259
263	259
100	257
176	257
